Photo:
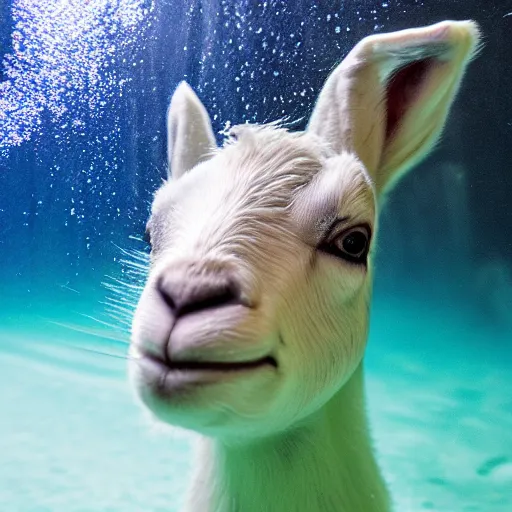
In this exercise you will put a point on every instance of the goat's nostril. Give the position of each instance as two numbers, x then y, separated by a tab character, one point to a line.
165	289
185	295
209	298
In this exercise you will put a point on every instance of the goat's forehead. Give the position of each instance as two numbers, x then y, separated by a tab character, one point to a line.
262	161
267	154
265	168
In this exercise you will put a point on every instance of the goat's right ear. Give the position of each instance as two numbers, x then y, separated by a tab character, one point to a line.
190	138
389	99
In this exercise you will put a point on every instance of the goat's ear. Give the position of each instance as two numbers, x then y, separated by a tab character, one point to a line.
389	98
190	138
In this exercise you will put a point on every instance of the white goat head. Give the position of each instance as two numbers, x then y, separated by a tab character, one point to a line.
255	312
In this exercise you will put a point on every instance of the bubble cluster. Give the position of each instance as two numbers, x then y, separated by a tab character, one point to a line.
64	55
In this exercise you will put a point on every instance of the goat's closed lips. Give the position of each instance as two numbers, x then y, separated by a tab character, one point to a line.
164	376
214	366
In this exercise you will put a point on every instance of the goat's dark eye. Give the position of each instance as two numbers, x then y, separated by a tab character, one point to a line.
147	236
354	243
351	245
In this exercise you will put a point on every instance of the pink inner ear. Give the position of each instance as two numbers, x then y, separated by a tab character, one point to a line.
402	90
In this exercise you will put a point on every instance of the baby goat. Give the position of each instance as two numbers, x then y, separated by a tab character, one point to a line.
252	325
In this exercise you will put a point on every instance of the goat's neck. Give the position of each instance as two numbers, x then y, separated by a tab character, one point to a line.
327	465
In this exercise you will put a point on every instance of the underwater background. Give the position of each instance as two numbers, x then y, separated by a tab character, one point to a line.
84	88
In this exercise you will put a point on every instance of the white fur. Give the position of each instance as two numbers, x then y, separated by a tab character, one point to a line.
295	437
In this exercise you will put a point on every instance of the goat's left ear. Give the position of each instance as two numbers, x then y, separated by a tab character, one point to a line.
190	138
389	98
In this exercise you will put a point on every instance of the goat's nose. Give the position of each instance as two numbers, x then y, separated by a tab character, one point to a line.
188	294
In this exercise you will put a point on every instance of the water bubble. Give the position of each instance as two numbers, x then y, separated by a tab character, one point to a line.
66	43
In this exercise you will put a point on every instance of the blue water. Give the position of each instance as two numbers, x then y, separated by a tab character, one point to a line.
73	439
84	88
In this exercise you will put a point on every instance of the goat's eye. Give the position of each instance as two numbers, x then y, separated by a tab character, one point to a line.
354	243
351	245
147	236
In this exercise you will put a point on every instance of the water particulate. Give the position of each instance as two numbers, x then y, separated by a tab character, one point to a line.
84	90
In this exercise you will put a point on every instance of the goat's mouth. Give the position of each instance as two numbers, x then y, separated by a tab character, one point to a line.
212	366
166	378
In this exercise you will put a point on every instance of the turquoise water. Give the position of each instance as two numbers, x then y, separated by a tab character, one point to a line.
72	438
86	86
